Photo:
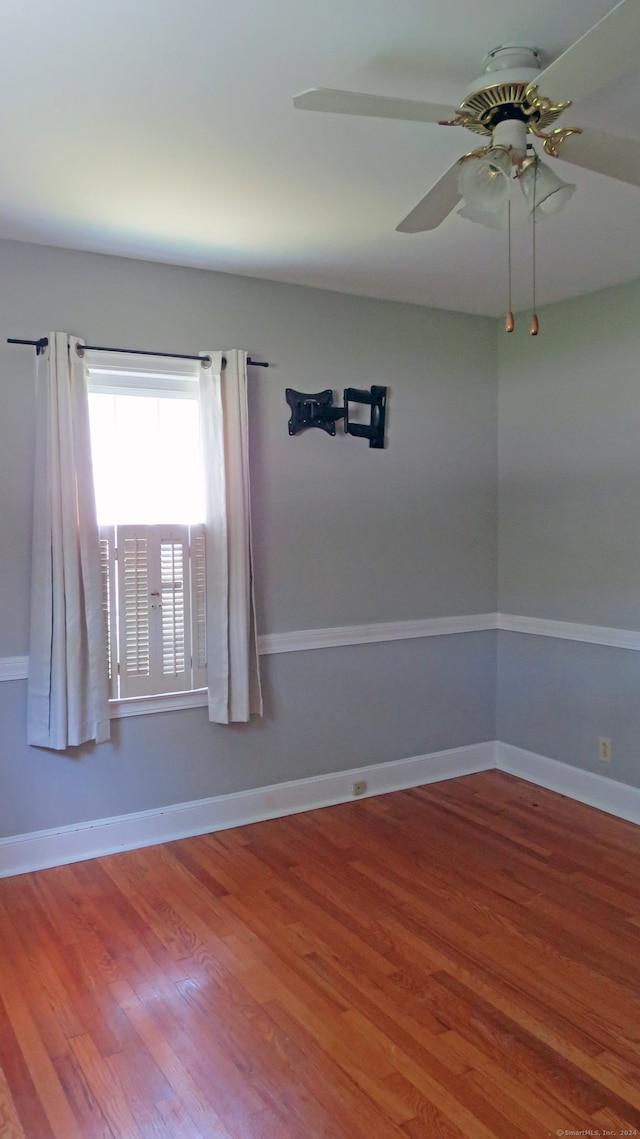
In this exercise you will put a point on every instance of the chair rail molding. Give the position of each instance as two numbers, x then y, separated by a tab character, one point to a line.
569	631
302	640
14	668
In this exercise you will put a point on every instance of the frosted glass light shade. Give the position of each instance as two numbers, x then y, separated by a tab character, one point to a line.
540	184
484	182
494	219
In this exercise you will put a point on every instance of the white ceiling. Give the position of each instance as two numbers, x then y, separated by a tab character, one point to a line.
165	130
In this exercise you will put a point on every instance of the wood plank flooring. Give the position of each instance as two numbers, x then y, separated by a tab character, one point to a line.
461	960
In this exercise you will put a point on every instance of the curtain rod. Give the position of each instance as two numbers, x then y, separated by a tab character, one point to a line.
41	344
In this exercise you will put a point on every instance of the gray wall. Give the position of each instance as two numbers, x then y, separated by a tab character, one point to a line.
557	697
325	710
569	510
343	535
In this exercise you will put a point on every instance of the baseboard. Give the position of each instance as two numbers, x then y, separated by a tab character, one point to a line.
20	854
38	850
585	786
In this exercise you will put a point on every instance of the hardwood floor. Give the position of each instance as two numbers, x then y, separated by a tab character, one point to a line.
457	960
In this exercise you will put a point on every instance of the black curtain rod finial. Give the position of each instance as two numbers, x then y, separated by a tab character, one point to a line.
39	345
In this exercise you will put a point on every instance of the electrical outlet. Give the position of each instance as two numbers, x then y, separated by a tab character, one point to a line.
604	750
359	787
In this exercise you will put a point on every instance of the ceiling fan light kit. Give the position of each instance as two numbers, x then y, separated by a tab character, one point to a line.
491	219
484	182
511	135
485	174
506	106
551	192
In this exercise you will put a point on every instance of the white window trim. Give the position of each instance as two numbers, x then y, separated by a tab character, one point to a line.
168	702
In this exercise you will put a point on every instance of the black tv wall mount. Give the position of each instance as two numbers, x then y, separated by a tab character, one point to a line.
315	409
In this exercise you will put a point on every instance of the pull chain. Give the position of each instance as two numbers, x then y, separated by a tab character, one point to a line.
533	327
509	323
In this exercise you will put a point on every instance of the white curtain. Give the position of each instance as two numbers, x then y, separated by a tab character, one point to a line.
68	686
233	675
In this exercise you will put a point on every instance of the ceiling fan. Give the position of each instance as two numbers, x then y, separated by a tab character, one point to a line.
506	105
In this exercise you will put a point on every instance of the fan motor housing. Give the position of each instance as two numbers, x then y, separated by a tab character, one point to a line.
504	92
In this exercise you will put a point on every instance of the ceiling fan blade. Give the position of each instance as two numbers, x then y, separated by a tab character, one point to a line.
435	206
376	106
607	154
608	50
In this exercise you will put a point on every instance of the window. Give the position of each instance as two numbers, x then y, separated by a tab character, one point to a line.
158	632
145	442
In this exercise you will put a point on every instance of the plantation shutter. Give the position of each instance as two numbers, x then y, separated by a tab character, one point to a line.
134	610
198	606
108	576
154	607
174	627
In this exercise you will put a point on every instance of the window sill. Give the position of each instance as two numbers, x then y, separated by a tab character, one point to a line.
167	702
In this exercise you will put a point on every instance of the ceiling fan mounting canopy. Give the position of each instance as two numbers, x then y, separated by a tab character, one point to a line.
507	56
